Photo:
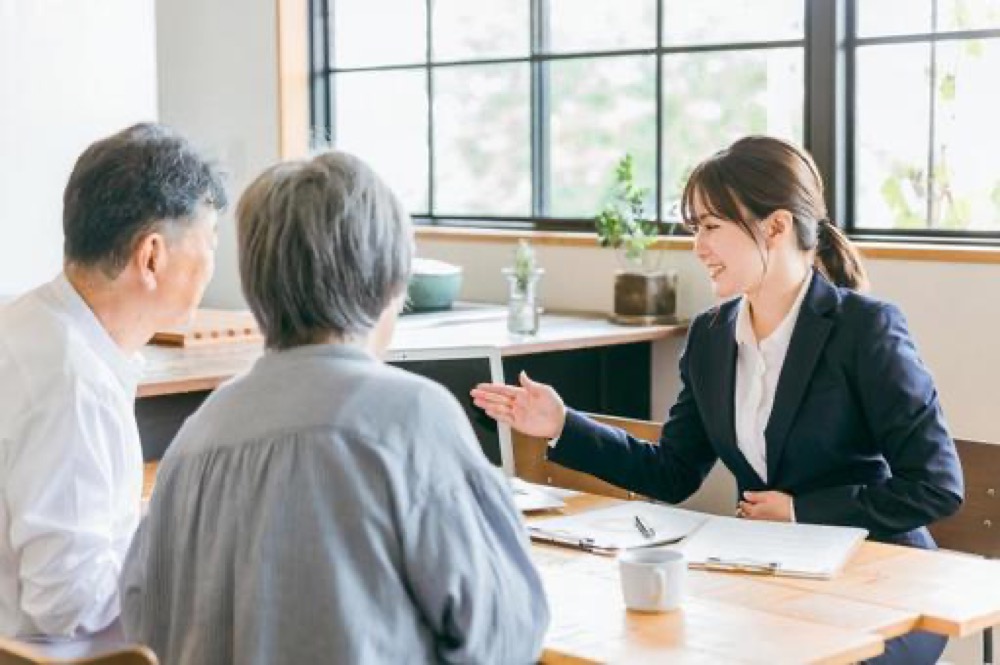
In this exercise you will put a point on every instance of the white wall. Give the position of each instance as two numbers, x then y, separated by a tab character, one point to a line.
218	78
71	71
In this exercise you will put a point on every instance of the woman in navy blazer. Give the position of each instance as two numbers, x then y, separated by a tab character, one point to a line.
854	433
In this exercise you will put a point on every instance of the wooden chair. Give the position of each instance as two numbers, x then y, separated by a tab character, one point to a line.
975	528
13	652
531	465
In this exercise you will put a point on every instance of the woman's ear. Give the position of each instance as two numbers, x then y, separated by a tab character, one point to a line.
778	226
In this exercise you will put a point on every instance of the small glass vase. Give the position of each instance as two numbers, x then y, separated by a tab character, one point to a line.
522	306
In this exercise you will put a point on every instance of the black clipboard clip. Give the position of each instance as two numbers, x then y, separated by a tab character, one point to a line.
742	566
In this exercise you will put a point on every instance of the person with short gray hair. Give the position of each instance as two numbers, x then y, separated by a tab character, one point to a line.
324	246
326	507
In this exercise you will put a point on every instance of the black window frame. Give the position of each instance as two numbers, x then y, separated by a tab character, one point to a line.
830	44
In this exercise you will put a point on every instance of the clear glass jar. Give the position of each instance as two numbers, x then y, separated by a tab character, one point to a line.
522	305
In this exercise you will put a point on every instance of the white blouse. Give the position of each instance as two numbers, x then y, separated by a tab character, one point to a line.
758	368
70	464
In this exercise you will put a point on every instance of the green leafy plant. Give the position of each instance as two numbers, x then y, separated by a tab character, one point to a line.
524	264
622	223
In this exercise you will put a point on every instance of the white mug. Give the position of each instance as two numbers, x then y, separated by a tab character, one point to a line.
652	579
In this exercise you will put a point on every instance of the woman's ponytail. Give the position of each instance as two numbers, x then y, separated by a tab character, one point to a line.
838	259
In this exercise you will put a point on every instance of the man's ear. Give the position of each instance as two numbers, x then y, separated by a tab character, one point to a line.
150	258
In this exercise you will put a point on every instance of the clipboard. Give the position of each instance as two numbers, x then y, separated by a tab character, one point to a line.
616	528
757	547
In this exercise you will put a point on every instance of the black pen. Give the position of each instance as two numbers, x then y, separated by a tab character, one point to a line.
644	529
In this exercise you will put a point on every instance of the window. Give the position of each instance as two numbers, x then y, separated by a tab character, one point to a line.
512	113
925	148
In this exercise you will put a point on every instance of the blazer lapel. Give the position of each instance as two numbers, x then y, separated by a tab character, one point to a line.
804	350
721	374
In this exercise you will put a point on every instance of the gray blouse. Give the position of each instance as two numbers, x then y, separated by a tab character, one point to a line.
328	508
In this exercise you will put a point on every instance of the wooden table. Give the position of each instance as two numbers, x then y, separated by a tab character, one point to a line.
884	591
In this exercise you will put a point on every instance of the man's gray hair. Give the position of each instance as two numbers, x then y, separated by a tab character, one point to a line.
324	247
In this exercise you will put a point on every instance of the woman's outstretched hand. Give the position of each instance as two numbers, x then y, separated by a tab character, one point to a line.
532	408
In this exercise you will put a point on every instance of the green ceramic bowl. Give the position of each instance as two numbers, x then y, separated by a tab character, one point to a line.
433	285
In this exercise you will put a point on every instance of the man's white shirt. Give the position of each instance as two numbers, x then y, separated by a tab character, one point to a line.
70	464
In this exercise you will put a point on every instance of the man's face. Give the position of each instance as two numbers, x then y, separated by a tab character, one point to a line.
191	262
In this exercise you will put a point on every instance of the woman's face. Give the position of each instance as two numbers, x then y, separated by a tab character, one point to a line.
733	259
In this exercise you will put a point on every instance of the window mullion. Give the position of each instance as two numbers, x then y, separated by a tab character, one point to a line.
321	91
429	51
540	103
659	111
932	120
825	104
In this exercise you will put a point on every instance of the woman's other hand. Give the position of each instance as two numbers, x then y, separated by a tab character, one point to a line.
532	408
770	505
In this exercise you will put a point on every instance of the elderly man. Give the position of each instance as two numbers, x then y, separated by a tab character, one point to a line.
139	220
326	507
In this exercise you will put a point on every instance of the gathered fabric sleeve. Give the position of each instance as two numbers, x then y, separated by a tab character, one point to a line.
466	557
470	573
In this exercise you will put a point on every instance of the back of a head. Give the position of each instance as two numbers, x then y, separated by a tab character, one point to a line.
129	184
324	247
762	174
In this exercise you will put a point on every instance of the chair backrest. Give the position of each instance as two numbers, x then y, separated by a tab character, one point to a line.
975	528
531	465
13	652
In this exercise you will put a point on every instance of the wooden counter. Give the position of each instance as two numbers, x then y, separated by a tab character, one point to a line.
171	371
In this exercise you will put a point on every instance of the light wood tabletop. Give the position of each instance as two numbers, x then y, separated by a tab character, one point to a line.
724	618
172	370
883	592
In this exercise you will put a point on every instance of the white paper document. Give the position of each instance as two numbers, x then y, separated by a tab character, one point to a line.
531	497
619	527
777	548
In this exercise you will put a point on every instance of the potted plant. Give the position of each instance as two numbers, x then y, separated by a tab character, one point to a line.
644	293
523	276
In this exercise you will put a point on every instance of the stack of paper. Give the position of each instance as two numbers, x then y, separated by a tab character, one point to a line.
709	541
778	548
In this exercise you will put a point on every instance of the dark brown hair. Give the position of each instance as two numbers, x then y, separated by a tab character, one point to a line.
758	175
144	178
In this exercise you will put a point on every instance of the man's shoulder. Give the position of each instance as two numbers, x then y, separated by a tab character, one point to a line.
32	321
42	351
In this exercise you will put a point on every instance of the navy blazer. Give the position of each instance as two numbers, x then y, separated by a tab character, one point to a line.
856	434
